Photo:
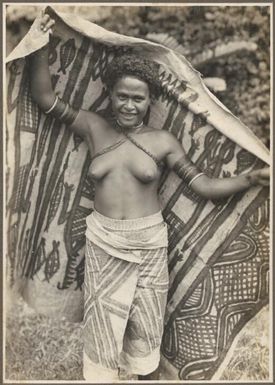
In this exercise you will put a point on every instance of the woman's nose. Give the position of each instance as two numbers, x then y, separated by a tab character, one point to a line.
129	104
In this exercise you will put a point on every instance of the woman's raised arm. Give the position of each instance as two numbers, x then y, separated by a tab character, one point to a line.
41	86
43	93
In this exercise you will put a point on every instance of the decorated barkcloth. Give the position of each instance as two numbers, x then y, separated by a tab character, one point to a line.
218	250
122	247
127	297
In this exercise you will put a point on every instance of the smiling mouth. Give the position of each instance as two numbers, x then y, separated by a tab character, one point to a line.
127	115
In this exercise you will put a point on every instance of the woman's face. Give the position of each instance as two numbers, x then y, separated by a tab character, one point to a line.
130	101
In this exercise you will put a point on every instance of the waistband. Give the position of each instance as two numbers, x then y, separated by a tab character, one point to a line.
129	224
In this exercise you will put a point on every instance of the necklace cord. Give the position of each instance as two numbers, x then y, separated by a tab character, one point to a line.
137	126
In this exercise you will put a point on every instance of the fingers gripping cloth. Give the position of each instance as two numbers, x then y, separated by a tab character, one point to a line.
218	252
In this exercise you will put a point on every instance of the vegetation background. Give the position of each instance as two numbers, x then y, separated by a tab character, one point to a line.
228	43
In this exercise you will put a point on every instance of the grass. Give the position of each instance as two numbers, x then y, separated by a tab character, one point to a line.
250	358
42	348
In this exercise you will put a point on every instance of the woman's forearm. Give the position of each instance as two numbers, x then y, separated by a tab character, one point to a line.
41	86
216	188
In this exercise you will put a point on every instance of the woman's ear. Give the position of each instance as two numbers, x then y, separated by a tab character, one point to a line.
153	99
110	94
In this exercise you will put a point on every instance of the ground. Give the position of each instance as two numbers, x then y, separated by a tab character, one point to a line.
43	348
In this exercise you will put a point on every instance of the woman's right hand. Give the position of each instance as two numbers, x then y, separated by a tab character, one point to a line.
46	22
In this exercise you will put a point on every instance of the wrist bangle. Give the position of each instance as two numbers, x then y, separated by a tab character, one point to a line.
62	111
52	107
195	177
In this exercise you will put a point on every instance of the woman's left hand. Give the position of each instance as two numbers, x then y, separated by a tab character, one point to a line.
260	177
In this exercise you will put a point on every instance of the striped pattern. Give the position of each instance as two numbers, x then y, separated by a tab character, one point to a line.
124	305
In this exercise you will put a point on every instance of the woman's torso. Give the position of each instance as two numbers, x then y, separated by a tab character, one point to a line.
126	178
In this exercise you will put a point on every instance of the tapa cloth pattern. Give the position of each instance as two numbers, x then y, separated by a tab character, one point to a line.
125	301
98	232
218	250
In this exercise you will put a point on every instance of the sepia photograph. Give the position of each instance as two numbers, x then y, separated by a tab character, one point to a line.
137	198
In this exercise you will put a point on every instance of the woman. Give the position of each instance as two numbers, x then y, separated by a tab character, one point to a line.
126	277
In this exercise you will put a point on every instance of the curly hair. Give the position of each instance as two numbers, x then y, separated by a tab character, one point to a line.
133	65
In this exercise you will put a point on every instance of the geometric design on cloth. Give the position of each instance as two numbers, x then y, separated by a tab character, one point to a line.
60	199
244	161
218	307
74	271
124	307
47	178
30	113
88	188
20	188
67	56
79	225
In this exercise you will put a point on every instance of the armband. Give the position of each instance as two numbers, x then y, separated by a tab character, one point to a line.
195	177
62	111
186	170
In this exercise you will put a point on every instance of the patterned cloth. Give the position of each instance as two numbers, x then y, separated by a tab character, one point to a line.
98	231
125	301
218	251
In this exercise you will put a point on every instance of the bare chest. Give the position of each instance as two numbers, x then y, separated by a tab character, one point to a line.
126	160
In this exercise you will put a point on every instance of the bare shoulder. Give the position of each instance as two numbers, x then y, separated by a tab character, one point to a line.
164	138
160	134
163	142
